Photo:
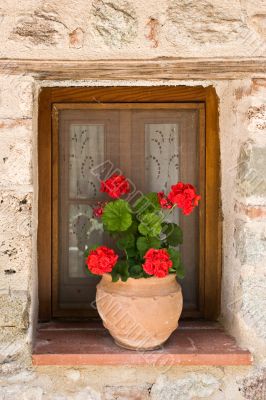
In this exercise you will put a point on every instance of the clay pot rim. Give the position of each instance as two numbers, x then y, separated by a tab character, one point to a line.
153	280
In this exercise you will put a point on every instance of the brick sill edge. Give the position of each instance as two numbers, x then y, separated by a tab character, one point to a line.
193	343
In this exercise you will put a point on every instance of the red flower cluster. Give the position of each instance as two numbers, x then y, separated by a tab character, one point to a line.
184	196
115	186
101	260
98	210
164	200
157	262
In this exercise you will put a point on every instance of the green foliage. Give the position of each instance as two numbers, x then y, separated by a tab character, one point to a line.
120	271
133	227
177	264
136	271
115	276
146	243
147	203
150	225
136	230
132	252
126	242
117	216
180	271
173	232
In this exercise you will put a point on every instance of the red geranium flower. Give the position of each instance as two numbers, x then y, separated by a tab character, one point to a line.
98	210
115	186
184	196
164	200
101	260
157	262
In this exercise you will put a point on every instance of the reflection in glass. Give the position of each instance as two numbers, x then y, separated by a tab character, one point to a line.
84	231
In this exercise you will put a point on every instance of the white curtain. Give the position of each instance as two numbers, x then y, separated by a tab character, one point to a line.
86	151
162	158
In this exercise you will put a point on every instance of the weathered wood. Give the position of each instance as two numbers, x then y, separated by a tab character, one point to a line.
161	68
45	207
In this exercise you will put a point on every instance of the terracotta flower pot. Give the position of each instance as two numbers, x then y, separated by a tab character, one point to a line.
140	314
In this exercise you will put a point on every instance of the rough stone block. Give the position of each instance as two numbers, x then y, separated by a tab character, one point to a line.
15	264
127	393
250	242
15	214
257	118
251	212
251	170
28	393
213	28
76	38
253	303
41	27
207	21
14	310
84	394
190	386
15	152
258	22
114	21
253	387
15	241
12	346
16	96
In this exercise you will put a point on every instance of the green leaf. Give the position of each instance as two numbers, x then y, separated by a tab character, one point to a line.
121	268
126	242
177	264
150	225
173	232
117	216
146	275
131	252
115	276
131	261
133	227
136	271
180	271
146	204
146	243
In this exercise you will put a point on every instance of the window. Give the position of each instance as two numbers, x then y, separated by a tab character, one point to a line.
155	136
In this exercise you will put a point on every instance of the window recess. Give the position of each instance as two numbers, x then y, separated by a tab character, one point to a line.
155	137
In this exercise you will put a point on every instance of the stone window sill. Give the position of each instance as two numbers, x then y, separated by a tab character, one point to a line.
193	343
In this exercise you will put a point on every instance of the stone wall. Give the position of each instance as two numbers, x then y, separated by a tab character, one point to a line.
126	29
122	28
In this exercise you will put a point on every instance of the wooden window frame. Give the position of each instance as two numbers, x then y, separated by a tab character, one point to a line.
210	246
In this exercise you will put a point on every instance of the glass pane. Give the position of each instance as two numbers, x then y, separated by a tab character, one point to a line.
87	138
161	156
83	231
162	160
167	142
86	151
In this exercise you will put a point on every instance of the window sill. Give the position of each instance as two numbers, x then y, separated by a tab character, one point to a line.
193	343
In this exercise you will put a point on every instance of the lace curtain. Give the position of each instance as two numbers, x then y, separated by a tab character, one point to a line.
86	151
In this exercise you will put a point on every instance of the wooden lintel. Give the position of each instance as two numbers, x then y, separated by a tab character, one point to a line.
154	69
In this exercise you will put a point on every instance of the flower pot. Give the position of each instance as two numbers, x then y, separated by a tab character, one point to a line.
142	313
